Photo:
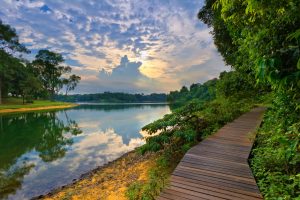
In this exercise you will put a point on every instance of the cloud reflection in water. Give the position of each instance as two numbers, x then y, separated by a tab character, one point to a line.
102	134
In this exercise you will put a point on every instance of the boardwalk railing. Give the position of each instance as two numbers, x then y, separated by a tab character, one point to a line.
217	168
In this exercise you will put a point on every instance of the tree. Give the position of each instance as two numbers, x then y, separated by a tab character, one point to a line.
9	49
71	82
184	89
29	86
222	39
234	84
261	38
50	70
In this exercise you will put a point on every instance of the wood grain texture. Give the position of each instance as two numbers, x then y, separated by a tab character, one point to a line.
217	168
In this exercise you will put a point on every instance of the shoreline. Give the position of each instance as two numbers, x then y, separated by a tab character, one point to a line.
17	110
109	180
123	103
81	177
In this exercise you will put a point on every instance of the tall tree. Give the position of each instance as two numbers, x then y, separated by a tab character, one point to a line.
29	86
49	66
10	48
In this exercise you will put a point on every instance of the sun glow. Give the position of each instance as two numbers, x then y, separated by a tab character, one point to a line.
144	55
153	68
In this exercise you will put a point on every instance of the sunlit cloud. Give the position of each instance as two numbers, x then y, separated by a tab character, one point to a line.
165	37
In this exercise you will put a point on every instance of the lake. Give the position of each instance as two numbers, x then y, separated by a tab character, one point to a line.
40	151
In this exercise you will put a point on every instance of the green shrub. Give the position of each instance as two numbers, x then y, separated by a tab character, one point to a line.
189	124
276	156
158	178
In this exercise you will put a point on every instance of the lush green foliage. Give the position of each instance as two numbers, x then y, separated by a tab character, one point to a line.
276	158
189	124
237	84
266	35
261	41
112	97
202	92
49	69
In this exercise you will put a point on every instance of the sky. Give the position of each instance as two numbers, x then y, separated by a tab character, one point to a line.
135	46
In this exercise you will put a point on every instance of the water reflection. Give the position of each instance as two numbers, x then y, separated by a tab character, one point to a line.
19	134
116	106
40	151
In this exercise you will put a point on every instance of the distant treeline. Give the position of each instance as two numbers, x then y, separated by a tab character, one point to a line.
113	97
203	92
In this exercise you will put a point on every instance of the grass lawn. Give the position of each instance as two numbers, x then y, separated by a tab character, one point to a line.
16	103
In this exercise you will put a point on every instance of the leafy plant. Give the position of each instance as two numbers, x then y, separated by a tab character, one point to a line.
276	156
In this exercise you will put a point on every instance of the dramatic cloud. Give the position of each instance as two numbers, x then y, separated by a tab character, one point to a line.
120	45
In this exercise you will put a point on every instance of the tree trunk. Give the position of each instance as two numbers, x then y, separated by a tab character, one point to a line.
52	94
0	91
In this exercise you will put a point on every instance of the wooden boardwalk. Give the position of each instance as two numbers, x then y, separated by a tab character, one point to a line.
217	168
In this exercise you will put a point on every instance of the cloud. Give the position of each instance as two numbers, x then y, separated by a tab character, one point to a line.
125	71
163	41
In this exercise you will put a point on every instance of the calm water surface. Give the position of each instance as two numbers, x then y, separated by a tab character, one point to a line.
40	151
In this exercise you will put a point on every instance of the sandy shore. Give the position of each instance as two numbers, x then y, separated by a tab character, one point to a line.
109	181
37	108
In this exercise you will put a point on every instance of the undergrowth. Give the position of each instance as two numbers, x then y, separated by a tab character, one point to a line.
157	177
276	155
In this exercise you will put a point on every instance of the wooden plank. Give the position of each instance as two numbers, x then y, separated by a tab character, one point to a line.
212	186
217	168
205	158
211	191
163	198
174	195
218	182
221	147
189	192
227	155
222	156
216	175
223	150
208	146
242	168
